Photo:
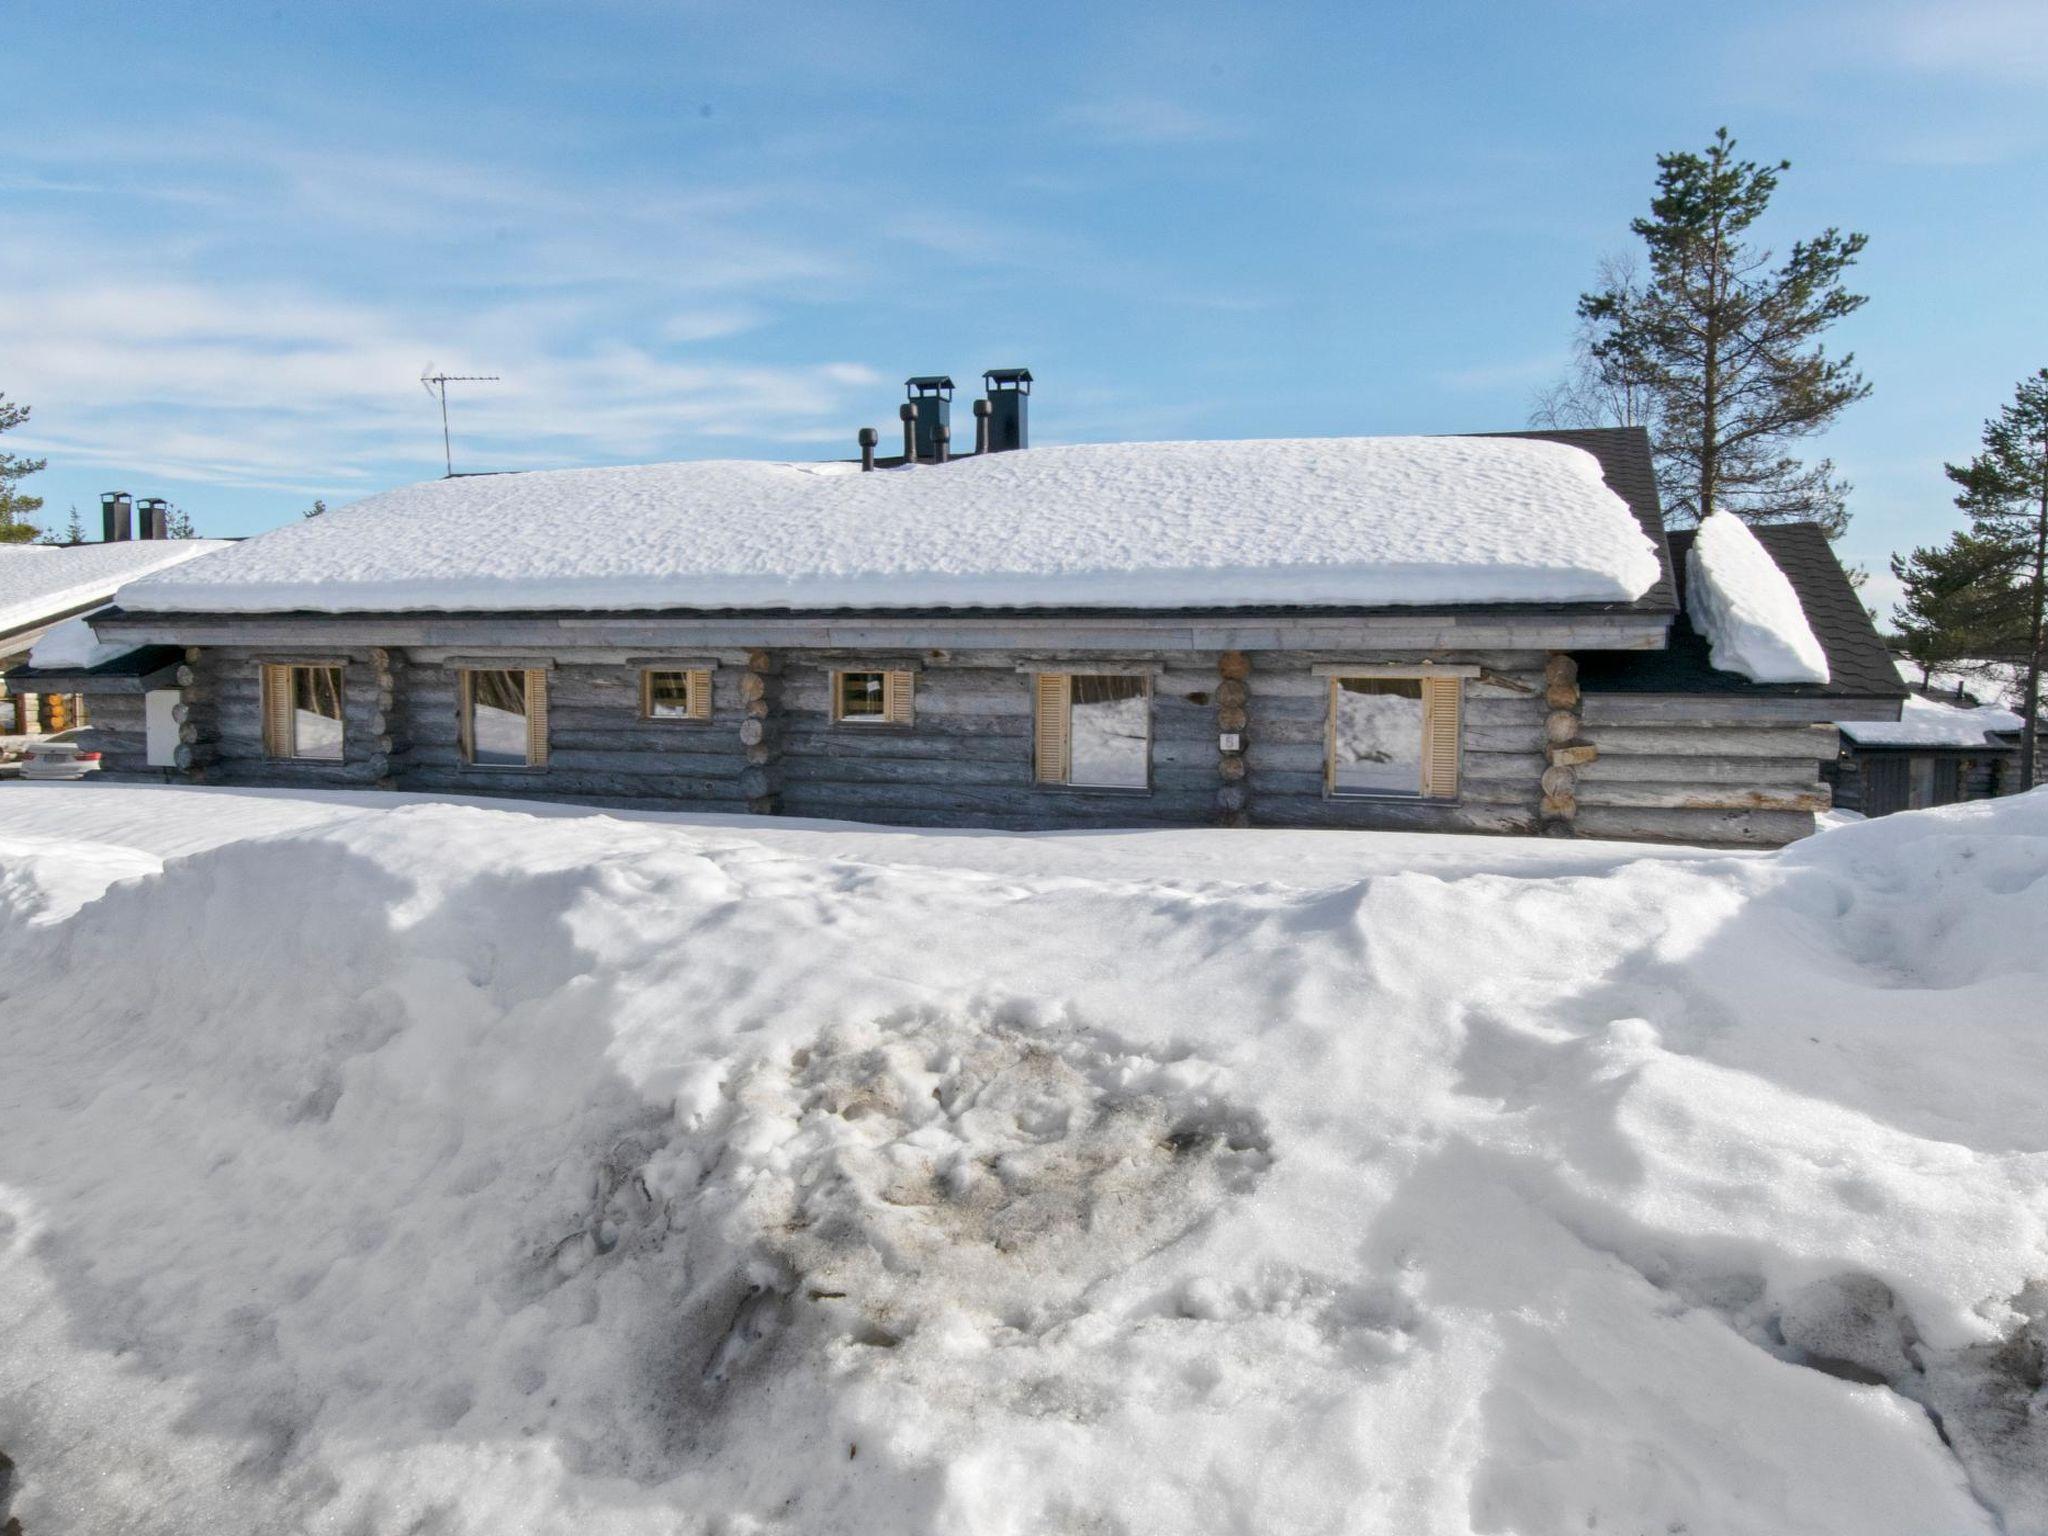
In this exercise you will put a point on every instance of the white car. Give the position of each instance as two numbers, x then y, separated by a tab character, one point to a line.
58	760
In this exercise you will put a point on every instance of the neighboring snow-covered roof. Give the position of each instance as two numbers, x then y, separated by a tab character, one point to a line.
72	646
40	581
1349	521
1930	723
1982	682
1752	619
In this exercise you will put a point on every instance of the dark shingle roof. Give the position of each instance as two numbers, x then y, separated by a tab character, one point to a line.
1858	664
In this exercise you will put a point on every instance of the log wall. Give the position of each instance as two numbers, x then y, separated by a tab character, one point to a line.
1666	773
1639	767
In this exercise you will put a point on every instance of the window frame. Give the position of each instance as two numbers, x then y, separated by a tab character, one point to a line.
279	702
535	698
899	698
1060	683
1442	688
697	695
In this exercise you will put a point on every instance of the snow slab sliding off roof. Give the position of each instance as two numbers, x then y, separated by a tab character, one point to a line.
40	581
1346	521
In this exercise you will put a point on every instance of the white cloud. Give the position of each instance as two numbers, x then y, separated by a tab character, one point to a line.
1991	39
1149	120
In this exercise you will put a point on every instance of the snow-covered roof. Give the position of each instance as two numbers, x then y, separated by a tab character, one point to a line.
1930	723
1977	681
1745	607
1348	521
72	646
38	582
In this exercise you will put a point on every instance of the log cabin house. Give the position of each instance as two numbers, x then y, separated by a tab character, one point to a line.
1478	634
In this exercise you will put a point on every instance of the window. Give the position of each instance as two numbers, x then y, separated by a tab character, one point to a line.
1393	736
504	721
302	713
1094	731
675	695
872	698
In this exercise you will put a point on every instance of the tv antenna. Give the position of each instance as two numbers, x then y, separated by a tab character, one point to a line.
437	384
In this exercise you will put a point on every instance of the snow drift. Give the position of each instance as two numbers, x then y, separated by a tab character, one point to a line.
1357	521
374	1163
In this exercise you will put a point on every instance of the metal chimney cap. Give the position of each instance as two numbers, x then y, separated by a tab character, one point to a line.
869	437
983	408
929	384
112	496
906	412
1013	378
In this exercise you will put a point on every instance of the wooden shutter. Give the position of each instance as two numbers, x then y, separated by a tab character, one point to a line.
700	694
1440	697
277	711
897	694
1052	730
536	718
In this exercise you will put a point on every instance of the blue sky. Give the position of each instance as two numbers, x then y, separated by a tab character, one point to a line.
232	236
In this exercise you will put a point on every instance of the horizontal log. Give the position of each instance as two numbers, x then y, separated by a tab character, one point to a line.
937	773
1706	797
1705	708
1711	741
1624	768
1270	810
1767	829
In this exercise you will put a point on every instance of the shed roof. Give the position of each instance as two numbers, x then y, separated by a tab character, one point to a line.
42	583
1859	666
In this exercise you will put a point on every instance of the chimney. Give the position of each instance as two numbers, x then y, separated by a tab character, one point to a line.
981	410
114	509
153	512
931	397
909	415
869	437
943	436
1009	399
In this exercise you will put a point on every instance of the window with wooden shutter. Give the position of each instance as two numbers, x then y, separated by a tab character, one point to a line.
504	717
303	712
873	696
277	711
1050	731
1392	734
675	695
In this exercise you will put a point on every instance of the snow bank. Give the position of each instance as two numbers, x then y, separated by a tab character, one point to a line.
40	581
72	645
372	1163
1739	599
1372	521
1930	723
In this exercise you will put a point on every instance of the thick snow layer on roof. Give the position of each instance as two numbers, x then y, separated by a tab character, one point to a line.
1930	723
1746	608
73	646
398	1164
39	581
1367	521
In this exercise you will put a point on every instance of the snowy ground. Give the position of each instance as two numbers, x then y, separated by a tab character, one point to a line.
381	1164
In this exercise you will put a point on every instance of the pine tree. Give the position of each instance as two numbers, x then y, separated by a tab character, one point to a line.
178	523
1961	603
14	468
318	509
1728	345
74	531
2005	492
